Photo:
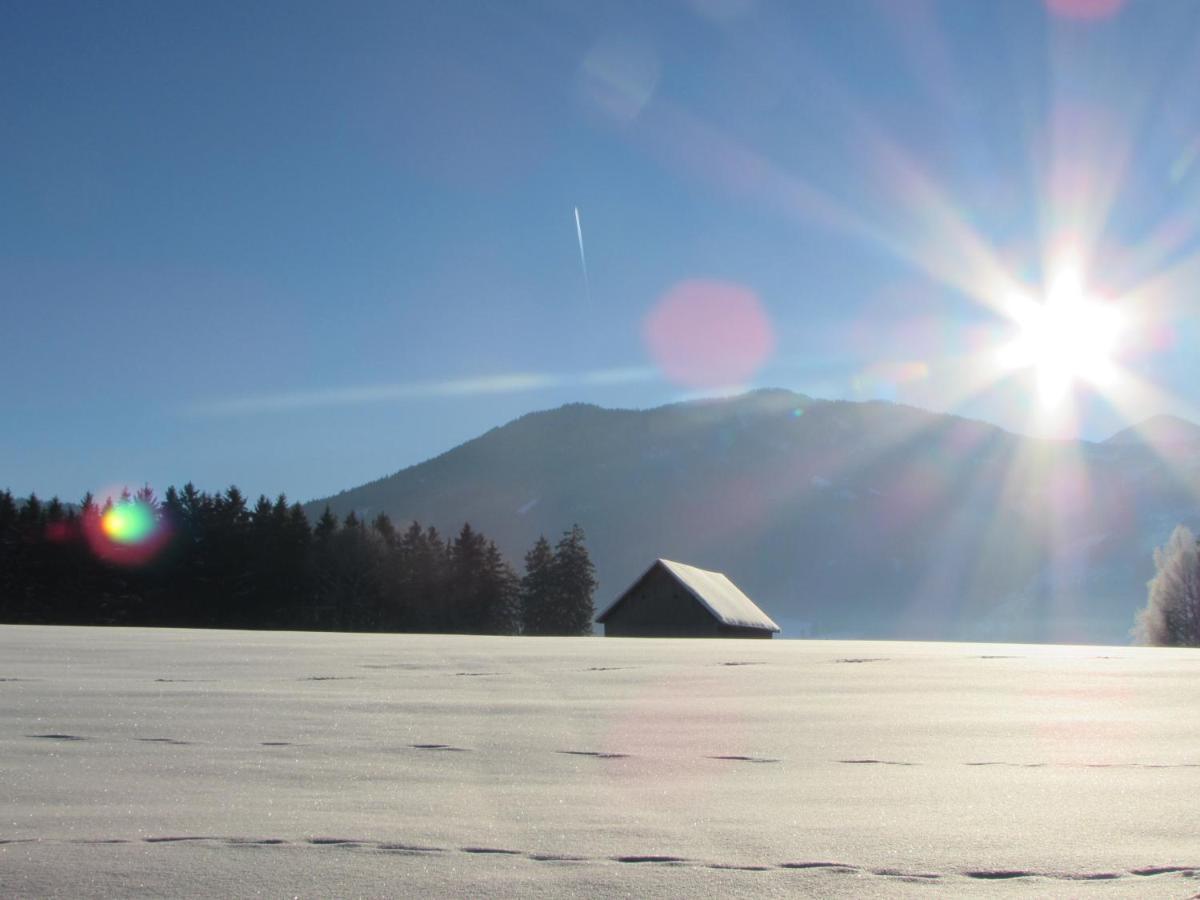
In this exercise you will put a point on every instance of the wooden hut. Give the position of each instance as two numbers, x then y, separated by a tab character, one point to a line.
675	600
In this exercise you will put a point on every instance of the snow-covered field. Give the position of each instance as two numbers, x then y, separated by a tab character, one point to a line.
180	763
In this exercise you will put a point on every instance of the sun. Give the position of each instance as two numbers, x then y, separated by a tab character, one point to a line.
1067	338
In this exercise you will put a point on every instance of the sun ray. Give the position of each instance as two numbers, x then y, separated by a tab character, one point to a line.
1079	156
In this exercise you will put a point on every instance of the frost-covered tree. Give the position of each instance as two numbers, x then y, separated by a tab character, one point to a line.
1171	617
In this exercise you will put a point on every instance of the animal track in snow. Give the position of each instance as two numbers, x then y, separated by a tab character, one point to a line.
598	754
321	843
862	659
1164	870
651	858
908	876
998	874
410	666
557	857
409	848
57	737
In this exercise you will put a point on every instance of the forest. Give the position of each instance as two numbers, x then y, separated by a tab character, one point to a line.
200	560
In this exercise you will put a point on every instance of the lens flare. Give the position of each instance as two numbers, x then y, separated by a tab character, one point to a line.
1084	10
884	380
709	334
618	77
128	522
127	533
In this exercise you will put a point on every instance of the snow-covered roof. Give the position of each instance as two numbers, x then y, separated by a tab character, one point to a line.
718	594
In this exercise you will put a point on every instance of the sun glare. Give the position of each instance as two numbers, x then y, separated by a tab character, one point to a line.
1069	337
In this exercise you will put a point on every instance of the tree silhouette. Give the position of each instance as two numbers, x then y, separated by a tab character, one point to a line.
538	589
213	562
575	583
500	589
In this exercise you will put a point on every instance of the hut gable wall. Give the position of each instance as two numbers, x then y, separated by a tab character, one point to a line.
659	606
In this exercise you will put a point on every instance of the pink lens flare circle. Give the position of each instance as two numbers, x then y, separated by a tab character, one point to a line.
1084	10
709	334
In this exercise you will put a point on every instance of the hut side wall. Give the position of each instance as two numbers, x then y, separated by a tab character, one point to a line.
740	631
660	607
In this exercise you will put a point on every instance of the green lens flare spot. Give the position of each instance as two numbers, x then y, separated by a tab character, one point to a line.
129	523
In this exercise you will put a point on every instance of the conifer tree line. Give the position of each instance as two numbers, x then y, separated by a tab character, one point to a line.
214	561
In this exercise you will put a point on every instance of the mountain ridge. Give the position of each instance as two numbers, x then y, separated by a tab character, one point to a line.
838	517
1162	429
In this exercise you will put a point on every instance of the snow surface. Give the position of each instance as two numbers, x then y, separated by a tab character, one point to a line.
182	763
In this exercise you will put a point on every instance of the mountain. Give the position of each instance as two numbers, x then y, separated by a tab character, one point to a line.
1160	431
838	518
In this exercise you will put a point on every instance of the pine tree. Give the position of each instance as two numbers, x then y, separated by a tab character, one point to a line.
295	591
8	510
537	589
326	526
184	515
55	512
383	525
29	515
355	572
321	574
575	583
9	576
467	605
229	582
265	538
500	589
391	578
423	567
23	567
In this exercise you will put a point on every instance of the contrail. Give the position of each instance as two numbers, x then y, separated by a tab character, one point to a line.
587	285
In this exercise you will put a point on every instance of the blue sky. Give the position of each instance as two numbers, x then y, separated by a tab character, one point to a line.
300	246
